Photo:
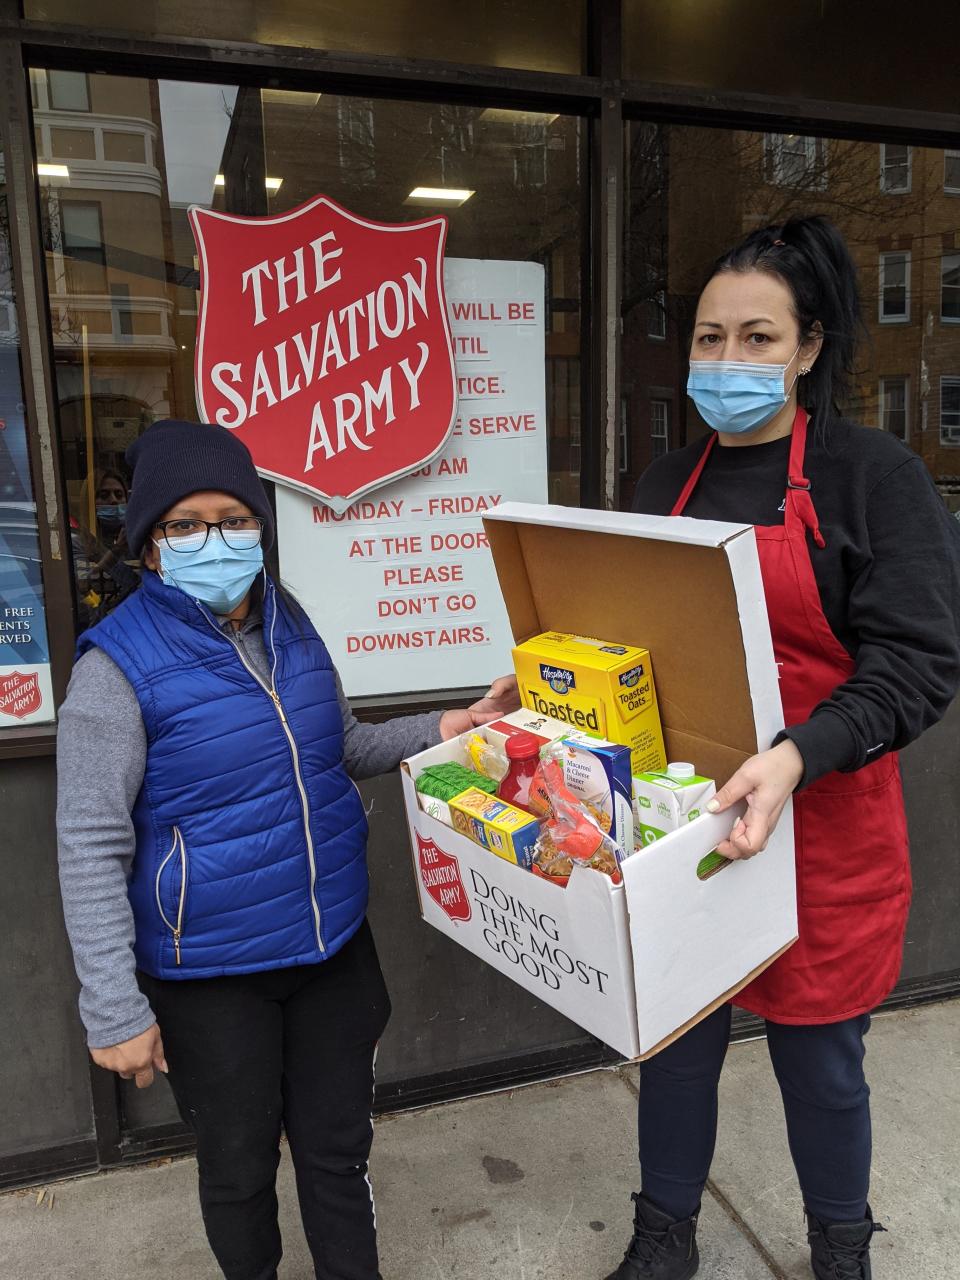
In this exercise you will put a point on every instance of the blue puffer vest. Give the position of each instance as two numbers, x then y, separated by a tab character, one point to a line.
250	836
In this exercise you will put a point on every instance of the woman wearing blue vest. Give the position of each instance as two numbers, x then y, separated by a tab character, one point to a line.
213	858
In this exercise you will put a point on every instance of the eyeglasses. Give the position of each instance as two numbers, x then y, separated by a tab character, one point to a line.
240	533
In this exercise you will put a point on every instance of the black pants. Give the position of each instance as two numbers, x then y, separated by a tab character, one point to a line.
825	1099
292	1048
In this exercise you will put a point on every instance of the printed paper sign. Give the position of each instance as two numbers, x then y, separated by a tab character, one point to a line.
323	342
26	693
401	584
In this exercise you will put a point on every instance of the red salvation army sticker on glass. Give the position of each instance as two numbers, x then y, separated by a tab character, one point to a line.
323	341
440	873
20	694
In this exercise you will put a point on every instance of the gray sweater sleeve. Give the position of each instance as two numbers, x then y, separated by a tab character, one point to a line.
371	749
101	754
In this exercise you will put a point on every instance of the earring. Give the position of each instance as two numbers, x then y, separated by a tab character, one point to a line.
803	370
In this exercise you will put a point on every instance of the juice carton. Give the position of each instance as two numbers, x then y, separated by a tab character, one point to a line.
664	801
508	832
596	688
598	774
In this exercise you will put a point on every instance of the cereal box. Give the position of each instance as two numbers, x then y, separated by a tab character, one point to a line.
595	687
508	832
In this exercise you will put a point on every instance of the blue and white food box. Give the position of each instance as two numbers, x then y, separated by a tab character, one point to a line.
598	773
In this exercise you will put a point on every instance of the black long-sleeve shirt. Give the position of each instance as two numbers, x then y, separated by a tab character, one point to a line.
889	575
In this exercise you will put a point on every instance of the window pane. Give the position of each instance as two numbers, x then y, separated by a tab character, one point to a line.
895	168
68	90
715	186
950	292
129	148
26	693
131	337
907	59
538	35
951	171
894	277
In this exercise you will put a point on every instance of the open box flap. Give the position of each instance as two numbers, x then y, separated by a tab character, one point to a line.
590	572
697	941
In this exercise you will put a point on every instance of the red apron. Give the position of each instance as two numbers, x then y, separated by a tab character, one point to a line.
853	867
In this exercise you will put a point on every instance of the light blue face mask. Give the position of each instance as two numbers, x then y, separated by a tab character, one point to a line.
217	575
735	396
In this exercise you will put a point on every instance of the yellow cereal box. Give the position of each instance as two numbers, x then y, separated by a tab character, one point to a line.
601	688
508	832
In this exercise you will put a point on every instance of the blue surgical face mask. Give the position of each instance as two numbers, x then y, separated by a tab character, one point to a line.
112	515
217	575
735	396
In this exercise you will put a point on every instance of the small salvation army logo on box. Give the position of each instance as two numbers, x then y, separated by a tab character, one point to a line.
440	873
20	694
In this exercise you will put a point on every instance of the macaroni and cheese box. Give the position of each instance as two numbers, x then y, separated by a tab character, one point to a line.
508	832
598	774
598	687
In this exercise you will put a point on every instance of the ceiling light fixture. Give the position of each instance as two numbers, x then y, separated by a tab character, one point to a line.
505	115
52	171
272	184
439	195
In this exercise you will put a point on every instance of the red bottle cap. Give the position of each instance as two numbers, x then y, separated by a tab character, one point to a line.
522	746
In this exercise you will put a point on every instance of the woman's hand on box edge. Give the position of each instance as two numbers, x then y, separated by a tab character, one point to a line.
766	781
134	1059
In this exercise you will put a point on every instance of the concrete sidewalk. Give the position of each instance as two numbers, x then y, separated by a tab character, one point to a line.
533	1184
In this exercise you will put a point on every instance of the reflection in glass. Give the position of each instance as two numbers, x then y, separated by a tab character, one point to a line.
26	694
122	267
537	35
693	192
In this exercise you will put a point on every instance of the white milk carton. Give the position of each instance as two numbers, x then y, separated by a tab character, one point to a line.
664	802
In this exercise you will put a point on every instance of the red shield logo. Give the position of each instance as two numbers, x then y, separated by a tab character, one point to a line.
20	695
323	341
440	873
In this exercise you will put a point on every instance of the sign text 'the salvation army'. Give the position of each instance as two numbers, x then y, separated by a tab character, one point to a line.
346	334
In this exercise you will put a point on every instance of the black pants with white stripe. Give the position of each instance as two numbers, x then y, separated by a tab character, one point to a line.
291	1049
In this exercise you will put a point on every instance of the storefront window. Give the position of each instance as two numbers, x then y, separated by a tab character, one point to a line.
122	268
534	35
26	695
903	230
745	46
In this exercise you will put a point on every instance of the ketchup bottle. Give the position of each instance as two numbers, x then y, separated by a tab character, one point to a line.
523	752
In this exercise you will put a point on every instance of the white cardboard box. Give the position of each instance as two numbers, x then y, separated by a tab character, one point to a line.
634	964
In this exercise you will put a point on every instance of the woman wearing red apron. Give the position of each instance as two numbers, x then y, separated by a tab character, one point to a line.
861	570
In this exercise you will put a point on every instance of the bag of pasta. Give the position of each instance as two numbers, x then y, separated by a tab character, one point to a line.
569	833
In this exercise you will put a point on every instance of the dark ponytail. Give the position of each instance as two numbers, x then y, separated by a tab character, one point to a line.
811	257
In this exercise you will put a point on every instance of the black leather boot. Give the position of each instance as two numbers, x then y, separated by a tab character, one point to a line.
661	1249
841	1250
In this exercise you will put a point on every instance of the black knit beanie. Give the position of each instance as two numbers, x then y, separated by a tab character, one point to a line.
172	459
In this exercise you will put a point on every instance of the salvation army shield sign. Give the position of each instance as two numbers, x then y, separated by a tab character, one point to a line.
20	694
323	341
